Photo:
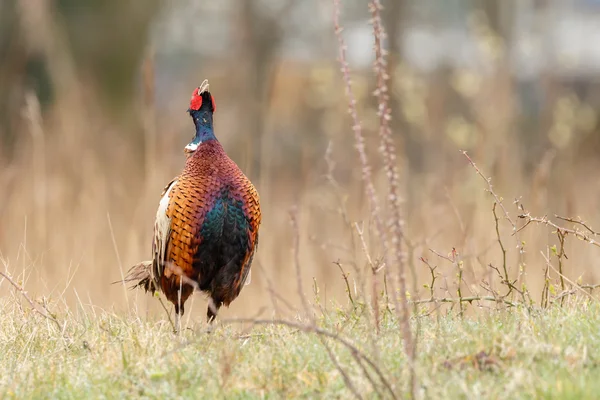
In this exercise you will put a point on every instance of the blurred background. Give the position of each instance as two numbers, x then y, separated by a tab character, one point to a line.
93	100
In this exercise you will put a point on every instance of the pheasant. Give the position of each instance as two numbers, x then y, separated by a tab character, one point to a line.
206	228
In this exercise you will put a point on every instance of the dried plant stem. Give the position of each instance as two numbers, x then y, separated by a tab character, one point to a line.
499	238
433	277
560	254
546	289
357	127
468	299
296	250
374	271
576	286
578	222
360	144
388	151
490	189
459	289
345	377
23	293
116	249
345	276
545	221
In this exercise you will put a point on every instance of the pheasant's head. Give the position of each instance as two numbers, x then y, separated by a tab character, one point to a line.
202	107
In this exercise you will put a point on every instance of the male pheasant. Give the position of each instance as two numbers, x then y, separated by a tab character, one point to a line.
206	229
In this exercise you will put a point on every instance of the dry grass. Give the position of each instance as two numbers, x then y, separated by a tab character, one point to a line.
493	354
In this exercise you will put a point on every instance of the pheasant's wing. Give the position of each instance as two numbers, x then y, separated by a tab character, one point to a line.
251	210
162	233
192	203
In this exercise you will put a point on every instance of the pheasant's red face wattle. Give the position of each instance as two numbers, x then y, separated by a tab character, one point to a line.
196	100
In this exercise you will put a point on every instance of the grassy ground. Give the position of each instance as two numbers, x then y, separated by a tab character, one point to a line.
551	353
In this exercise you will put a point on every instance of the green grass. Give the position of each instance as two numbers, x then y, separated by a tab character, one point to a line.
551	354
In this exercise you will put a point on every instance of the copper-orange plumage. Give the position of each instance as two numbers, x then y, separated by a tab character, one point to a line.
206	228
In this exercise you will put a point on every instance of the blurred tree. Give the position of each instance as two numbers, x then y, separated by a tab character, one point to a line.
108	39
93	28
259	36
500	16
22	67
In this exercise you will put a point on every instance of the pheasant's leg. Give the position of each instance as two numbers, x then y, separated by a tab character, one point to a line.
178	314
213	309
177	322
178	299
178	308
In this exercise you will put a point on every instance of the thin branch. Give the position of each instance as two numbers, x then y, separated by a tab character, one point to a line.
374	270
433	277
490	189
23	292
549	264
466	300
296	249
545	221
335	362
361	149
345	276
388	151
496	221
579	222
560	254
357	128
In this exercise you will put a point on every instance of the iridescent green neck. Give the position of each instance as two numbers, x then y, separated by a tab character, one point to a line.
203	120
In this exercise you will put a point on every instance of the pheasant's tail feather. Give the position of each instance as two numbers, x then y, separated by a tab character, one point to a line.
142	274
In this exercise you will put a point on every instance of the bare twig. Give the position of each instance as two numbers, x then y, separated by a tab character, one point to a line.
577	221
546	289
433	277
490	189
468	299
566	231
345	276
374	271
560	254
388	151
360	147
515	232
345	376
115	247
581	289
571	292
46	314
296	250
357	127
496	221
